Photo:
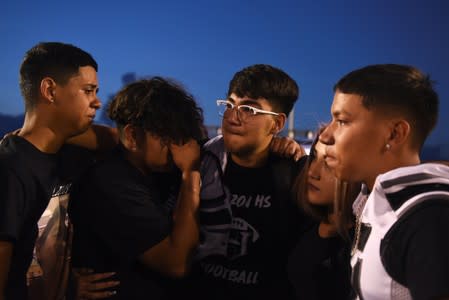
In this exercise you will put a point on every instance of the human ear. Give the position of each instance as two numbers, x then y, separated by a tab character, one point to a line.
400	133
129	139
279	123
48	89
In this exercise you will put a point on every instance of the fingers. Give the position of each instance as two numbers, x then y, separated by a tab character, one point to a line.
98	286
186	156
299	153
96	276
93	285
287	147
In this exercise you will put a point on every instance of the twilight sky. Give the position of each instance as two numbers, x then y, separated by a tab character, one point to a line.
203	43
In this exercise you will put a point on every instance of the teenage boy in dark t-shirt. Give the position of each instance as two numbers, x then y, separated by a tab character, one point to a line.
59	85
126	218
248	219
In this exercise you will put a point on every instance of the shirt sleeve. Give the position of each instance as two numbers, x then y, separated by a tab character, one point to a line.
125	216
418	253
12	206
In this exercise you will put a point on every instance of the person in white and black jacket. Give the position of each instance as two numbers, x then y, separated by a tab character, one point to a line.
381	117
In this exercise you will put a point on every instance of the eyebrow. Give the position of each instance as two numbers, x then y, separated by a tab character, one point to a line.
251	102
92	86
338	113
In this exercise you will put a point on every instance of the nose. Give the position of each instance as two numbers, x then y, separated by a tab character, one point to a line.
233	115
96	103
326	136
314	171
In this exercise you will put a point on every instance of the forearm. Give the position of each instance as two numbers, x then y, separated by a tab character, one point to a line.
97	138
185	234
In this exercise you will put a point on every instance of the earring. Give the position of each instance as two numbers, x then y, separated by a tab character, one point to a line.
388	146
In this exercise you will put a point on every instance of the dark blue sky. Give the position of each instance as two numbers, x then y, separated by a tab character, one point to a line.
203	43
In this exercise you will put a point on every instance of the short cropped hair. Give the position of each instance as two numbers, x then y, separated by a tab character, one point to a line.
397	88
265	81
161	107
50	59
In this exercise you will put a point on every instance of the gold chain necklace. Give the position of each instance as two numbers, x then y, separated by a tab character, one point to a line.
358	224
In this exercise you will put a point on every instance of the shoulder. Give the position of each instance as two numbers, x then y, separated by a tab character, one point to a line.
214	145
422	232
213	155
9	150
428	214
12	157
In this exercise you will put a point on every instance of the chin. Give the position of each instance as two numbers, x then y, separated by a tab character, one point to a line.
237	144
313	200
84	127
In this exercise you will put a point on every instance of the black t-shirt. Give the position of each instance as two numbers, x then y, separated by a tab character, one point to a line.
415	251
27	176
118	214
255	266
28	179
319	268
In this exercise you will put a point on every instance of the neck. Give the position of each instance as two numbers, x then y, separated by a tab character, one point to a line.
251	160
43	137
399	161
327	230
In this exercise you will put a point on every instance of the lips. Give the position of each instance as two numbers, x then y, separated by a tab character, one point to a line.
312	187
233	131
329	158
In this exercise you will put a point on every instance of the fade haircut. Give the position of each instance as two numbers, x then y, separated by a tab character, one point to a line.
50	59
161	107
265	81
396	88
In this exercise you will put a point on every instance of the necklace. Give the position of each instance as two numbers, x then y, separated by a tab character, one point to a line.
358	223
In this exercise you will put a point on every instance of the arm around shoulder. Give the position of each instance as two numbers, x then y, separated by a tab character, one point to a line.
97	137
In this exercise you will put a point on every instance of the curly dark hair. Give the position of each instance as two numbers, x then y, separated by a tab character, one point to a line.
265	81
160	106
50	59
